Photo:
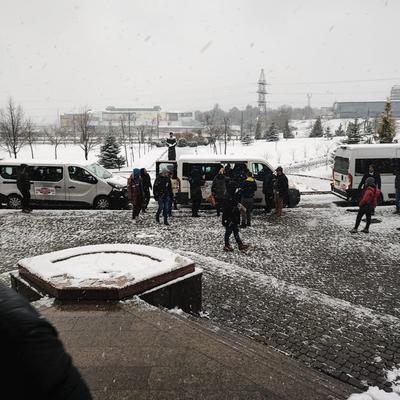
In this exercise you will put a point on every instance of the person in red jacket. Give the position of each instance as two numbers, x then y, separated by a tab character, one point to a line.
368	202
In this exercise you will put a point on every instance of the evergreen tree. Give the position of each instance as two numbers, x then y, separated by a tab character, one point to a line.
353	132
328	133
109	153
317	130
246	140
287	132
272	134
387	126
340	131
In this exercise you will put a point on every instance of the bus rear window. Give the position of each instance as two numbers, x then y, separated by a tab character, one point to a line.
341	165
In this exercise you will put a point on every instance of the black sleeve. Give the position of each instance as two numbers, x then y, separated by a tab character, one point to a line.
362	181
378	181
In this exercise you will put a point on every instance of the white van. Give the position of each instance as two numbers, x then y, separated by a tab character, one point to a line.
209	165
64	183
352	162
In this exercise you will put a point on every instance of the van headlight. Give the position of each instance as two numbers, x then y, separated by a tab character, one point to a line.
116	186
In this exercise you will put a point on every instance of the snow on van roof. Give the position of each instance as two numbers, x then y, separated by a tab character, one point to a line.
392	146
12	161
220	157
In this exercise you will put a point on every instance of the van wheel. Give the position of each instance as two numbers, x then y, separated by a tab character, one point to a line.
102	203
14	201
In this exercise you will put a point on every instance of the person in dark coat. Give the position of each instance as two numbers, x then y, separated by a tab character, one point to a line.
218	189
371	173
367	204
162	191
268	190
231	218
248	189
397	189
135	193
35	363
146	184
24	186
196	182
171	143
281	191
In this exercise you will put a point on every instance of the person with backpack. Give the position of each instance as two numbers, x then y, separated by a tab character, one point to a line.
281	190
231	218
367	204
218	189
248	188
162	191
135	193
24	186
146	184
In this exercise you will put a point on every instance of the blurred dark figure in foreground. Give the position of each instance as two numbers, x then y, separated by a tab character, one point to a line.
35	364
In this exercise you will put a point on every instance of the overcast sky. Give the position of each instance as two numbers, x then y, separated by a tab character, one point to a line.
56	56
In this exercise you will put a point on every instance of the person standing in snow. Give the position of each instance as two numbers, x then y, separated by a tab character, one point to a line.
196	182
397	188
218	189
146	184
367	204
162	191
135	193
24	186
268	190
36	365
248	188
231	218
372	173
171	143
281	190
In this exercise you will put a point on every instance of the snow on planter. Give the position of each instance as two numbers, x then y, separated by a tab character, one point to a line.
106	271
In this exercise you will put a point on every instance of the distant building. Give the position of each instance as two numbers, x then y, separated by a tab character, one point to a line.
363	109
395	93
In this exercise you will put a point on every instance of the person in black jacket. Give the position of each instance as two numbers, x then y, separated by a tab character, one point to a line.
24	186
248	188
146	184
35	364
171	143
268	190
162	191
218	189
196	182
231	219
371	173
281	191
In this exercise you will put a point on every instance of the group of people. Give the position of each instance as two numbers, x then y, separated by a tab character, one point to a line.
370	187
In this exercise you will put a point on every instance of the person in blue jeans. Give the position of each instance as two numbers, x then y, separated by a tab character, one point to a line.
162	191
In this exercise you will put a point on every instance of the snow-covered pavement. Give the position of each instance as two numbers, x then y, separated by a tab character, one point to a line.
307	287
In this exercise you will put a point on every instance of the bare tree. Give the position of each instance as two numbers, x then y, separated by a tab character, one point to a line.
55	136
227	131
12	128
30	136
141	130
87	132
123	137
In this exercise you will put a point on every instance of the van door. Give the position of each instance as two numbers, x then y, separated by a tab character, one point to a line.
48	183
259	170
81	185
342	179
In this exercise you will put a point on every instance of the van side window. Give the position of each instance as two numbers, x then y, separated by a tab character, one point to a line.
8	172
81	175
382	165
47	174
259	170
208	170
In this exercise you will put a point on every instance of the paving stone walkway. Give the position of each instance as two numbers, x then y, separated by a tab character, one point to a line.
134	351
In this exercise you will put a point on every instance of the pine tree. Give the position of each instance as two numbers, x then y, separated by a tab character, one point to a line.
387	126
317	130
287	132
258	134
353	132
109	153
339	131
328	133
272	134
246	140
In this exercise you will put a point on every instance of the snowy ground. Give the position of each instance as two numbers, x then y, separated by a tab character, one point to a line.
307	287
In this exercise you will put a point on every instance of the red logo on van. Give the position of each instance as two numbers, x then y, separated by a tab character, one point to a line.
44	190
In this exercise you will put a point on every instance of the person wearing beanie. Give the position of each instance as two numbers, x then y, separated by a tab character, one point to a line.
281	190
368	202
135	193
218	189
162	191
248	189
